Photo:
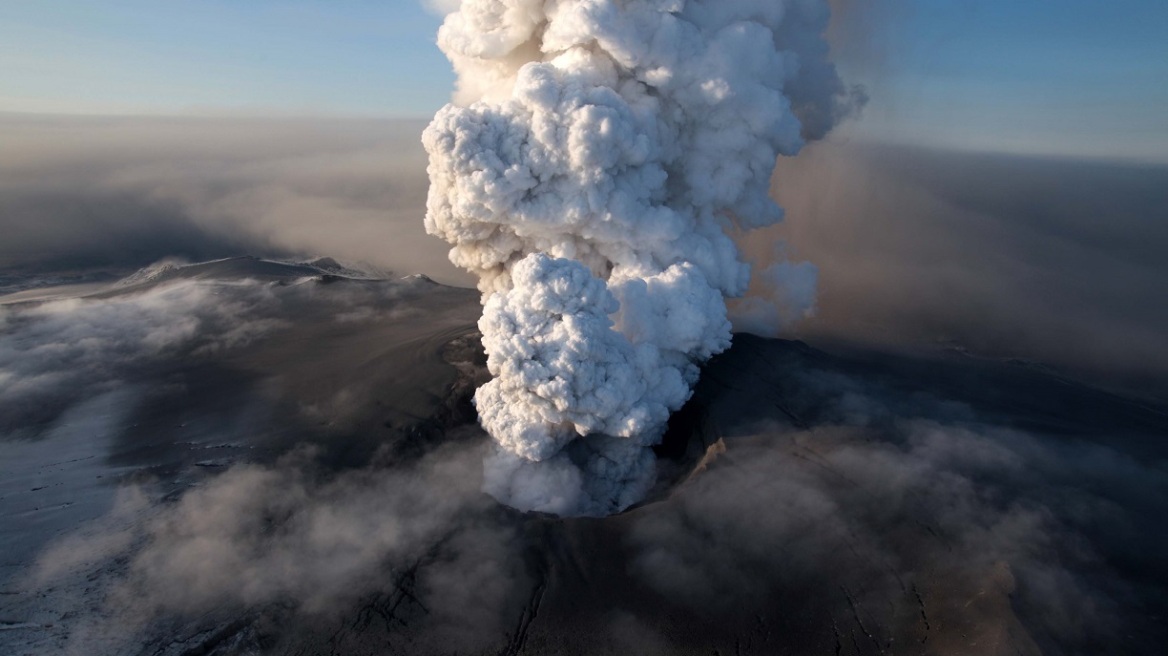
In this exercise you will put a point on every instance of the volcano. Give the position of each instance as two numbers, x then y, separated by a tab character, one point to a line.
302	475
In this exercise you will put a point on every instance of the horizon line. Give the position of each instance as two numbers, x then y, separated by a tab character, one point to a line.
841	138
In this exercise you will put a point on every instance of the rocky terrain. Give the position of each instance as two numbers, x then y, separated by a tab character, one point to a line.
298	472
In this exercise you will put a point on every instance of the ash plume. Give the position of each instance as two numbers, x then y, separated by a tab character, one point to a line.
594	158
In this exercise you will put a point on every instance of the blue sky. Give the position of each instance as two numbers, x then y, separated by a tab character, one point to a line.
252	56
1047	76
1086	77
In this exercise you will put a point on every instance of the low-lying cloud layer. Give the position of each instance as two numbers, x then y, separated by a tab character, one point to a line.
926	521
160	385
1051	260
294	539
124	192
53	354
1058	261
56	353
862	512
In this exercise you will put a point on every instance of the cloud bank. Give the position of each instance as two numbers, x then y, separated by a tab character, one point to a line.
1001	255
294	540
124	192
1058	261
56	353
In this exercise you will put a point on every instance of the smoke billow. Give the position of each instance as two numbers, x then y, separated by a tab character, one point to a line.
596	155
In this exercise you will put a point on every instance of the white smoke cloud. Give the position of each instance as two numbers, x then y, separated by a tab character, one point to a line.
786	294
561	371
442	7
620	140
56	352
293	535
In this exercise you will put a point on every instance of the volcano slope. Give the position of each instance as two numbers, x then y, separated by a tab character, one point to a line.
251	457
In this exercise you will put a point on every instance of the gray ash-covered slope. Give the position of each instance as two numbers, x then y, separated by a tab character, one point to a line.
182	372
808	503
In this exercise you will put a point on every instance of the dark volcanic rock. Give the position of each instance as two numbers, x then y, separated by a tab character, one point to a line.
809	503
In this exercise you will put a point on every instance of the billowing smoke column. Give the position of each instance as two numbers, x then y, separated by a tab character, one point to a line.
596	154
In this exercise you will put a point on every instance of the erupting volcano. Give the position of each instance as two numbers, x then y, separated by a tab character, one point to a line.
595	158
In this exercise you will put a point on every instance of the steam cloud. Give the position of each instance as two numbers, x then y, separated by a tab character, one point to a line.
595	157
54	354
